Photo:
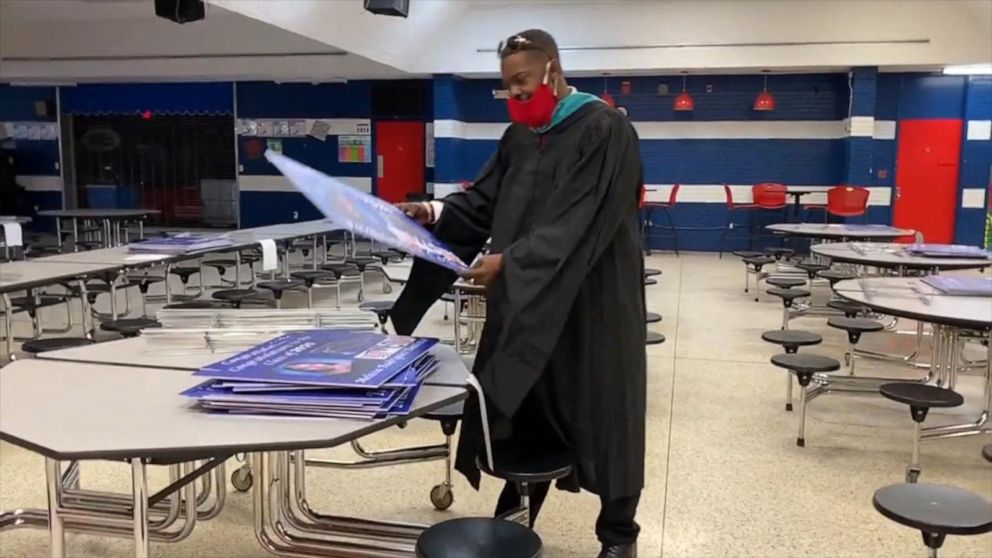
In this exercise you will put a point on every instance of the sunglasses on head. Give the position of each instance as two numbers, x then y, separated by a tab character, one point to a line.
515	44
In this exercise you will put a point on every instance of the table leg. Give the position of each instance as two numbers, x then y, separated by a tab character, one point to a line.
113	298
237	269
8	323
141	228
75	234
56	530
168	291
58	232
139	483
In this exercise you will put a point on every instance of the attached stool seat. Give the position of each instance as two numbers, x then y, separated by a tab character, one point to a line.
854	328
236	296
849	308
516	465
362	262
651	272
88	245
129	327
382	308
648	281
221	265
788	297
754	266
342	270
804	366
833	276
920	398
779	252
36	346
655	338
652	317
279	286
311	277
184	273
747	253
478	537
812	268
785	282
987	452
791	340
937	511
197	305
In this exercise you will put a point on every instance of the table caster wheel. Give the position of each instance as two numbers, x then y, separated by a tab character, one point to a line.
242	479
442	497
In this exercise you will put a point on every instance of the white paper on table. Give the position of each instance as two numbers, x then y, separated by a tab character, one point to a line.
270	259
12	234
144	257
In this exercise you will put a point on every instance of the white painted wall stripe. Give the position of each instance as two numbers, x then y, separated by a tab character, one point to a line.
40	183
979	130
860	126
713	193
973	198
279	183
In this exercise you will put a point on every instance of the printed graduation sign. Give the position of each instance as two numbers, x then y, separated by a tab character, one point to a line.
364	214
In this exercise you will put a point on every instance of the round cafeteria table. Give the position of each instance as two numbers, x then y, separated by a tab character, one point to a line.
840	232
950	315
110	218
892	256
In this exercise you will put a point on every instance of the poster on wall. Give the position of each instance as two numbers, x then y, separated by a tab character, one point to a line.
429	145
319	130
274	145
354	149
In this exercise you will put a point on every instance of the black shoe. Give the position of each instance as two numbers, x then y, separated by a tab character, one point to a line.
619	551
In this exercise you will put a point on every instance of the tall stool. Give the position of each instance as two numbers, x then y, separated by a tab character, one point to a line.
854	328
937	511
755	266
788	297
804	366
791	340
920	398
478	537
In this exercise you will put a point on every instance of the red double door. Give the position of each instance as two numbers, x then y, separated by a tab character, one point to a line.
399	147
927	168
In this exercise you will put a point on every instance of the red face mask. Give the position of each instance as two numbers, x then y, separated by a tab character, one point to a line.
537	111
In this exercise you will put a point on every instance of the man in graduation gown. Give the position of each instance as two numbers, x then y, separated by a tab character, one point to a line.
561	358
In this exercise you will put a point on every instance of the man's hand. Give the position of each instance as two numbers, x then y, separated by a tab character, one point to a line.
486	271
419	212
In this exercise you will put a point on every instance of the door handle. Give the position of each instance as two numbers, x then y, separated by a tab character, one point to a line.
381	163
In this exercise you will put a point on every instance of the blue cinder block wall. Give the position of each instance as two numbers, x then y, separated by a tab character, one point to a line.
36	161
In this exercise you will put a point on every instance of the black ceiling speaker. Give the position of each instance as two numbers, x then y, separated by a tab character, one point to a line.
180	11
388	7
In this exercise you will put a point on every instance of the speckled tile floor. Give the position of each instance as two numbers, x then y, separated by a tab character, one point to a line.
724	476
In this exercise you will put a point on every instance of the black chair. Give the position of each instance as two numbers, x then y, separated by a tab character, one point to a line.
655	338
788	297
854	328
849	308
279	286
235	297
920	398
755	266
36	346
382	308
652	317
129	327
478	537
804	366
937	511
779	252
791	340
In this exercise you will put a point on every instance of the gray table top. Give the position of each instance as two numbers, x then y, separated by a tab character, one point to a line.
71	410
20	275
87	213
117	255
14	219
883	254
836	230
138	352
911	298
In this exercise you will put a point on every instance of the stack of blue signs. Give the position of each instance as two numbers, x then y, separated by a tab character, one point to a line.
179	244
960	286
319	373
948	251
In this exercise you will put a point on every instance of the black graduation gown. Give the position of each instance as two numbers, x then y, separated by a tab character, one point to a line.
565	328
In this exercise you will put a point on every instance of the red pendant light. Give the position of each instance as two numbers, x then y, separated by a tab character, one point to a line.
683	101
765	101
607	98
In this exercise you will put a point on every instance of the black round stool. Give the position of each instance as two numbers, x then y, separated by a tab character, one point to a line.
478	537
791	340
184	274
785	282
987	452
811	269
920	398
279	286
754	266
382	308
833	276
651	272
36	346
788	297
129	327
652	317
804	366
780	252
648	281
849	308
937	511
311	278
221	265
525	468
854	328
236	296
655	338
197	305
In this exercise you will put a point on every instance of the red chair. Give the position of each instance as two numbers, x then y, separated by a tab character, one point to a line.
770	195
733	206
843	201
647	225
